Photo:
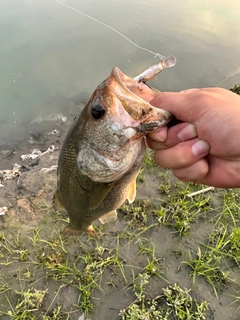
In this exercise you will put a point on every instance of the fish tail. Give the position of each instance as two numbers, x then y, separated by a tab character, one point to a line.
169	62
72	231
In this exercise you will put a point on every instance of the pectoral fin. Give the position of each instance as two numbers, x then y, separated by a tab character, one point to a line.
100	194
109	217
56	202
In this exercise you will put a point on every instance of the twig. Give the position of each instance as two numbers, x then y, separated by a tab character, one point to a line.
200	191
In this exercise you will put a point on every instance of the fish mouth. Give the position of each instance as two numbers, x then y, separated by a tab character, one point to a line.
116	141
135	99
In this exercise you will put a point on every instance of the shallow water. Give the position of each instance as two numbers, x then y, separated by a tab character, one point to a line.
51	54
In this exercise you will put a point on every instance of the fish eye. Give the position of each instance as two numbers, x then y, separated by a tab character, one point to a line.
97	111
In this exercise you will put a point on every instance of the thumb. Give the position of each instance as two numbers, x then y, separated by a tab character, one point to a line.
181	104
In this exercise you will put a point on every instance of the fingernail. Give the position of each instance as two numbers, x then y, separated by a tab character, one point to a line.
161	134
187	133
200	148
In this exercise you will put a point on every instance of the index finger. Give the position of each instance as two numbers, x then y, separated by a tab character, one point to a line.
186	105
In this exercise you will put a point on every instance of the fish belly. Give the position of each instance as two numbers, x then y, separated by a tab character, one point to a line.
75	192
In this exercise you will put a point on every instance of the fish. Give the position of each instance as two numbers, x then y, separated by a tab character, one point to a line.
103	152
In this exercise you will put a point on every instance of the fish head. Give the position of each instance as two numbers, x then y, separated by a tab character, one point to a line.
109	133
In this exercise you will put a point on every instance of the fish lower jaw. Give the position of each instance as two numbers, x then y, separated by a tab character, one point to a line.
111	175
105	167
145	128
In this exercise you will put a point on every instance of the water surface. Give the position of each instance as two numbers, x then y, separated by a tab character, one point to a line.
51	54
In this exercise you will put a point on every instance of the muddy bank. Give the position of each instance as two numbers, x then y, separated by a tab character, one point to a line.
158	238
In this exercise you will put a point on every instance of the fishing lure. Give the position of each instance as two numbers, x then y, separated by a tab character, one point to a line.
152	71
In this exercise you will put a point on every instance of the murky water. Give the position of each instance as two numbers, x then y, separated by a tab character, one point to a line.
51	54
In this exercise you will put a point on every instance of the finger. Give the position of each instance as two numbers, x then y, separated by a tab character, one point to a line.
196	171
155	145
185	105
175	102
222	173
182	155
178	133
211	171
160	134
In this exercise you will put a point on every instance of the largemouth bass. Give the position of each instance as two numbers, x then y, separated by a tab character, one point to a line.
103	152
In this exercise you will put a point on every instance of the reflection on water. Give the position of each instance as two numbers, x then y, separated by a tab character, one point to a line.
51	54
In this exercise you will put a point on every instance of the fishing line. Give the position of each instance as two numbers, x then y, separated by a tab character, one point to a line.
113	29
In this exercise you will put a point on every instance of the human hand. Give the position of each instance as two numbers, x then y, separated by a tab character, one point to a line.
205	146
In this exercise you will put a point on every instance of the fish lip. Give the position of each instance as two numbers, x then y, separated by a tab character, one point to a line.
147	127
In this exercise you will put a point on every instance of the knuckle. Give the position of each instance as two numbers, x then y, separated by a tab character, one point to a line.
194	172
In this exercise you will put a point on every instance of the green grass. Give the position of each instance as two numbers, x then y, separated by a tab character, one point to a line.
207	265
172	303
40	267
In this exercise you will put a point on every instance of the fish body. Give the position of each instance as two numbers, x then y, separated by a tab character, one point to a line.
103	152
